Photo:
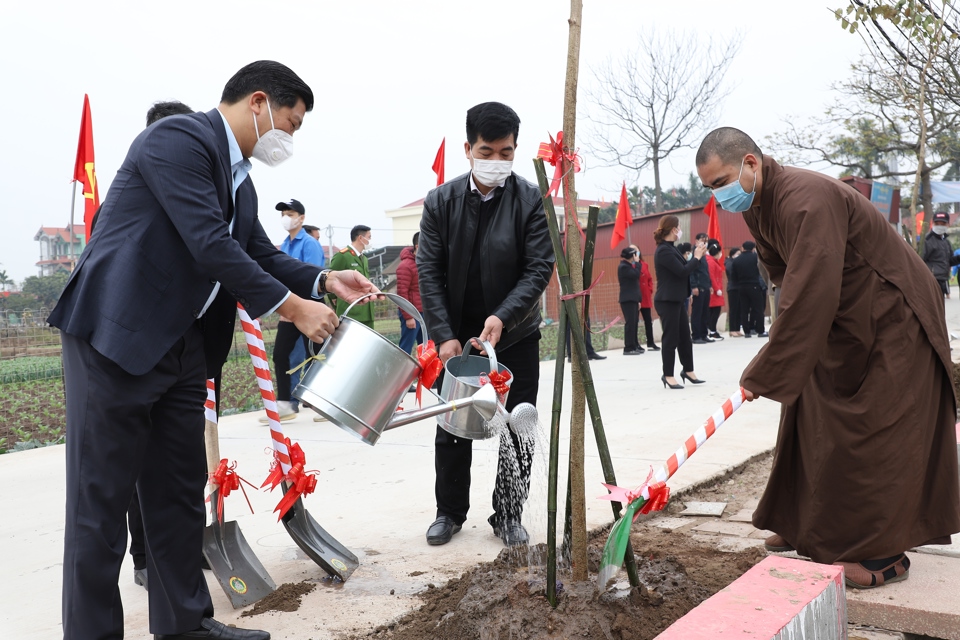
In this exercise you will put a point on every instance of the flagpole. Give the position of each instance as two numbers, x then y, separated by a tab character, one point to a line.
73	206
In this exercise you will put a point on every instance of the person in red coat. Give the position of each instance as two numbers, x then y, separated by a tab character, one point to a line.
408	286
716	283
646	299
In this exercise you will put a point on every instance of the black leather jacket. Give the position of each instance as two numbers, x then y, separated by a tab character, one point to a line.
516	260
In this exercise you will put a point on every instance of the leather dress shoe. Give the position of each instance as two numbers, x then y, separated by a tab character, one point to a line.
210	628
596	356
512	533
442	530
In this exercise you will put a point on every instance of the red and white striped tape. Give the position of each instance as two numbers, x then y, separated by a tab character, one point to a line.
694	442
210	405
254	337
210	413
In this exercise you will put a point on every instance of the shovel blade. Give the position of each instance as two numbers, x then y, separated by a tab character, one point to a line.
238	570
320	546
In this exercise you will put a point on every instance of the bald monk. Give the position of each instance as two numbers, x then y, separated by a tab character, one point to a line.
866	458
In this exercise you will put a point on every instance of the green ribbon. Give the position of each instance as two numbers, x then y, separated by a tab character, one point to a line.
616	546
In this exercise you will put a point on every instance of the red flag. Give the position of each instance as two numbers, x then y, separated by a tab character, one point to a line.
438	162
624	219
713	227
84	170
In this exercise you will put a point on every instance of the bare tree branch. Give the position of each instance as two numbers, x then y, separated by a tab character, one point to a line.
656	99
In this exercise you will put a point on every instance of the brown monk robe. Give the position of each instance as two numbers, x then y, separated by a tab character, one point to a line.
865	464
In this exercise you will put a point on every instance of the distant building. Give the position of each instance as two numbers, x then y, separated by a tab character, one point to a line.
60	247
406	219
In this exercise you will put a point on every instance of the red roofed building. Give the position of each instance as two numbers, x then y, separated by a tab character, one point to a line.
59	248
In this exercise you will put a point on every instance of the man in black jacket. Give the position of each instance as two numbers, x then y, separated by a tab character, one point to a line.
752	300
938	252
700	308
485	258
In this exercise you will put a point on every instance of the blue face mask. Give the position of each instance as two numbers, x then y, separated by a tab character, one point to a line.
732	197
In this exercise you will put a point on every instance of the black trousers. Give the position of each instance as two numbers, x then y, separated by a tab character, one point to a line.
713	318
631	317
127	433
676	336
700	309
453	456
733	310
138	545
648	325
751	306
287	336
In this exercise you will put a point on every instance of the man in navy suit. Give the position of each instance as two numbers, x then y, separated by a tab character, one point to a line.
146	316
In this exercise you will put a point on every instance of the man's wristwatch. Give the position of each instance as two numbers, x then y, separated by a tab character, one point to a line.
323	281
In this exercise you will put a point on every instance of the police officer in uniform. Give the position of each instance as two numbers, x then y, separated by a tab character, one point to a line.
351	258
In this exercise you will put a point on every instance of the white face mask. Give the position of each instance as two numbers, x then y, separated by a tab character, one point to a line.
939	229
679	233
289	222
274	146
491	173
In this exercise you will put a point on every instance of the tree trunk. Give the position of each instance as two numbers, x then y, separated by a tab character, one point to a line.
575	262
656	181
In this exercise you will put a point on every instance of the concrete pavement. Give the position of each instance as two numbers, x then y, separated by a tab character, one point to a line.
378	501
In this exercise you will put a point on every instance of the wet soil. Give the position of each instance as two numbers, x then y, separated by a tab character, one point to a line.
678	570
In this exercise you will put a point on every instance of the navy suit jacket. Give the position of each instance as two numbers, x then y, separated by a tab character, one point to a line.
161	242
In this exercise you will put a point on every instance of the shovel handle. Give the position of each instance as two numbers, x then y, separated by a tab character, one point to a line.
211	440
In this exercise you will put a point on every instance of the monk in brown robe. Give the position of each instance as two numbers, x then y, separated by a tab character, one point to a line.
865	465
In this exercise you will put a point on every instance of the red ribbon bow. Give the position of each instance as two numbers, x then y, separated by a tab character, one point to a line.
302	483
430	366
498	380
227	480
659	494
276	475
553	153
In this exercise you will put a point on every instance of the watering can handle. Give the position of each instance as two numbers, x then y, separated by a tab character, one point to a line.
401	302
491	354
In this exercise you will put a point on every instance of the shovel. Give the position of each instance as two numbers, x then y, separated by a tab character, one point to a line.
320	546
238	570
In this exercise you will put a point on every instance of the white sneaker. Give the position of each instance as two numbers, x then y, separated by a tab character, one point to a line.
286	411
320	418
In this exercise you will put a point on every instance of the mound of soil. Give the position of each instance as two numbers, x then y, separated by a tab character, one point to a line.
507	598
285	598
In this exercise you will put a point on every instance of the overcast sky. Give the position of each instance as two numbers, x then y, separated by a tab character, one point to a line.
391	80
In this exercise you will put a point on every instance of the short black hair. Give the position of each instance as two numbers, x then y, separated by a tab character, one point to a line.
684	247
702	236
358	231
278	81
309	228
161	110
416	238
734	251
749	245
626	253
727	143
492	121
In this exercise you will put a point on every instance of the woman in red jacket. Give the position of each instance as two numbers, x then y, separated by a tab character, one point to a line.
646	299
716	284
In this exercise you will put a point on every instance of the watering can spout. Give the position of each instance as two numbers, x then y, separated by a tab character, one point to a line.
484	402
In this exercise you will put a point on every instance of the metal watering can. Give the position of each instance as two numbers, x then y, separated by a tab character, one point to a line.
362	378
461	380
